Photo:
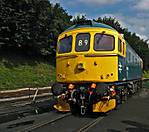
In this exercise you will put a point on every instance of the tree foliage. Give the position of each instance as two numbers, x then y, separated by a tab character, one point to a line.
59	21
111	22
78	18
138	44
31	25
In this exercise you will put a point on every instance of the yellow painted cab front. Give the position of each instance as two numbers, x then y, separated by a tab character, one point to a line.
87	55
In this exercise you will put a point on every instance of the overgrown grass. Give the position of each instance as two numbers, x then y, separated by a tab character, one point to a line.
146	75
18	72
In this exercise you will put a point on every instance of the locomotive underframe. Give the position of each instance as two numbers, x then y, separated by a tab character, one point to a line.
93	97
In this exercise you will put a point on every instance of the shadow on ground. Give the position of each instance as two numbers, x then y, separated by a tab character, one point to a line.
132	126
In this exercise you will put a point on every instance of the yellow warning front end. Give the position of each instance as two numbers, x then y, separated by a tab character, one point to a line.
84	60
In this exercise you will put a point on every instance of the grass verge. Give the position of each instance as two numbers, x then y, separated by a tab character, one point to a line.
146	75
18	72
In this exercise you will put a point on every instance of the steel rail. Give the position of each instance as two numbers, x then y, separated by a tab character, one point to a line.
90	125
25	97
24	89
36	126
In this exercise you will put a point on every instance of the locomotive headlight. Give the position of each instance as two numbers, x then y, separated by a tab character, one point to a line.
63	76
68	64
81	66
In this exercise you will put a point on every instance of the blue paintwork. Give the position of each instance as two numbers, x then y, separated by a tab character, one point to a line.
134	70
130	69
93	25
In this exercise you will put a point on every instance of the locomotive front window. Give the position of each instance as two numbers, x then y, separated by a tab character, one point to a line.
82	42
103	42
65	45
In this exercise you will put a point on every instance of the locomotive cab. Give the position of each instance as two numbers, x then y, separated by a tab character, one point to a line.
85	54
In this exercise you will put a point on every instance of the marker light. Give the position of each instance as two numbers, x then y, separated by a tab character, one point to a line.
93	85
68	63
113	92
113	86
71	86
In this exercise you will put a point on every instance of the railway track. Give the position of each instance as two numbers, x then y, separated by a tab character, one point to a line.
55	122
73	123
53	125
90	125
21	102
14	111
86	125
39	125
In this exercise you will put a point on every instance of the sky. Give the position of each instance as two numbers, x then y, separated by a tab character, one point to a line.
132	14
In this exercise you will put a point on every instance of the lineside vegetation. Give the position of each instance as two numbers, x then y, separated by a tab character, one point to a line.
29	28
22	71
146	75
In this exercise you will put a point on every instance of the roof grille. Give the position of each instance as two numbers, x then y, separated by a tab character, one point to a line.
85	22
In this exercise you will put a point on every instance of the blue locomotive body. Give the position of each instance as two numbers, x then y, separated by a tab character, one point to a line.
129	67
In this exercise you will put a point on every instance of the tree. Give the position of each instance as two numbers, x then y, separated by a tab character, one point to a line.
138	44
24	24
59	21
111	22
31	25
78	19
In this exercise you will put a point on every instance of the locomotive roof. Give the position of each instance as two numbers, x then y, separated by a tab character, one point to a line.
90	24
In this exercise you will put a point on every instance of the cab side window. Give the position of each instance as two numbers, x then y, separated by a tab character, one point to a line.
123	48
119	45
129	56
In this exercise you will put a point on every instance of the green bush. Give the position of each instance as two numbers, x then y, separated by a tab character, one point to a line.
146	75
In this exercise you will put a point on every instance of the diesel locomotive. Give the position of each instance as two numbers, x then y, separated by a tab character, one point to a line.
96	69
